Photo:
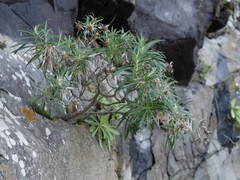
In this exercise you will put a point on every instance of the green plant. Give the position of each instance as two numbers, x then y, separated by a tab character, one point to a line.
100	126
204	68
103	76
235	110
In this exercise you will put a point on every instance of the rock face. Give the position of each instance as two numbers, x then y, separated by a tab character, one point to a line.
211	152
21	15
60	14
181	26
222	12
37	148
13	1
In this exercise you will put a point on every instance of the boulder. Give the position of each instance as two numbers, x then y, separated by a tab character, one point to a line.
33	147
181	26
22	15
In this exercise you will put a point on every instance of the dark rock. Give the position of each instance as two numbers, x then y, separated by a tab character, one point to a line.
223	96
124	11
222	12
13	1
25	15
12	23
177	24
113	12
178	52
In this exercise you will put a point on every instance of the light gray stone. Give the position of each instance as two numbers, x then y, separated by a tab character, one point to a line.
42	149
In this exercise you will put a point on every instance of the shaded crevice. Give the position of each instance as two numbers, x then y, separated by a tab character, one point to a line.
109	10
105	4
51	2
167	165
142	157
227	136
143	174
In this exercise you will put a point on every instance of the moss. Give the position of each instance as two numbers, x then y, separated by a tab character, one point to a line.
41	111
204	68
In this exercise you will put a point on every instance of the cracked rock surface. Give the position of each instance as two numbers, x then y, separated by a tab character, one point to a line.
25	14
217	157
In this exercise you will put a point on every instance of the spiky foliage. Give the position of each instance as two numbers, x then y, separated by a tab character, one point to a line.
118	76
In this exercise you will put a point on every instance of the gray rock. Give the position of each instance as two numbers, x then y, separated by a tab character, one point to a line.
181	26
217	156
25	15
58	150
42	149
141	154
13	1
222	54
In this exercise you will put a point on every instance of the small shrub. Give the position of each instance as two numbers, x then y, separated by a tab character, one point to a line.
100	126
118	76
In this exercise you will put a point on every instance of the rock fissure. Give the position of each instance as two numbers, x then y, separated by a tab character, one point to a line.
167	165
205	156
19	16
144	171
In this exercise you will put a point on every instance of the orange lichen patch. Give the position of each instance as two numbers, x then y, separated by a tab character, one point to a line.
29	115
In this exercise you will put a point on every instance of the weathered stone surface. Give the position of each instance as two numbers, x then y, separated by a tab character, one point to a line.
224	60
13	1
141	154
25	15
218	154
42	149
182	26
218	163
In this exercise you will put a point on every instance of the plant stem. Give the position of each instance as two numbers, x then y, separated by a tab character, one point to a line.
80	112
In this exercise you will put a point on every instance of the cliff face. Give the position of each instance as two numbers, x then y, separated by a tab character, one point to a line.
35	148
